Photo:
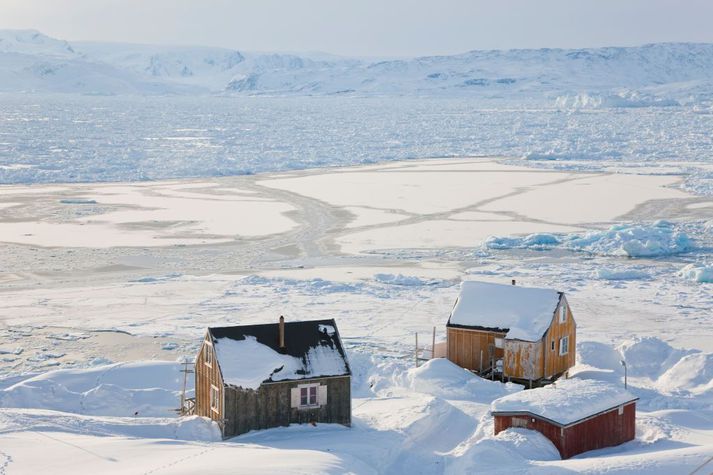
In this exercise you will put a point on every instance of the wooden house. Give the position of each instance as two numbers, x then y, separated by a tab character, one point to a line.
259	376
576	415
519	333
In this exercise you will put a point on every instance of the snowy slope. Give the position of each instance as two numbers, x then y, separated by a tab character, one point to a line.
657	74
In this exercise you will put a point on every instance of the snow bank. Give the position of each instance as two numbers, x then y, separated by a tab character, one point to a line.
692	373
566	401
701	273
442	378
649	356
598	355
406	280
192	428
149	388
509	452
621	273
315	286
661	238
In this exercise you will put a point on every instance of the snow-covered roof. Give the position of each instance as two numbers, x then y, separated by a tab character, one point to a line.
524	313
249	355
566	401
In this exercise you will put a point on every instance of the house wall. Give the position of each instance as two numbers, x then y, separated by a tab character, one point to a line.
464	347
604	430
270	406
207	375
523	359
554	364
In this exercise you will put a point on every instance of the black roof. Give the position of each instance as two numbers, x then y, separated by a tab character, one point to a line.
300	338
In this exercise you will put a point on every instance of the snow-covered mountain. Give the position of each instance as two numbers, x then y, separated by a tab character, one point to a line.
657	74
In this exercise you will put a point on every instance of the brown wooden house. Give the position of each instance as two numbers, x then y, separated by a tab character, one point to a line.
259	376
518	333
576	415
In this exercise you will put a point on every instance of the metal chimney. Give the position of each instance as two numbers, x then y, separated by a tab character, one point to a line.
513	282
282	332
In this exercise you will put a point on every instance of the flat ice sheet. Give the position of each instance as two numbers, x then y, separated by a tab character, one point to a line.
138	215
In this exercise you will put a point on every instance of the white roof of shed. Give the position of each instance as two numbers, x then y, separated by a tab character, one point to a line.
524	311
566	401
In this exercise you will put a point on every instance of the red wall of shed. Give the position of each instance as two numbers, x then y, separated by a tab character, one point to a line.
605	430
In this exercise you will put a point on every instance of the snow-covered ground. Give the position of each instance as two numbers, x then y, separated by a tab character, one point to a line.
289	185
92	337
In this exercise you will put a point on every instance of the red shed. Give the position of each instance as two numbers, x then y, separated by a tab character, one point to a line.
577	415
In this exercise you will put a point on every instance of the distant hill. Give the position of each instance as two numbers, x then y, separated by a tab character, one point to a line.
651	75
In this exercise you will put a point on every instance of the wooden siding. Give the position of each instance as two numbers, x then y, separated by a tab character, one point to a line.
603	430
523	360
464	347
553	363
205	377
270	406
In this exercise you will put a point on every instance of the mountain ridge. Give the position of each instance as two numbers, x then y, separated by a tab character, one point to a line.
658	72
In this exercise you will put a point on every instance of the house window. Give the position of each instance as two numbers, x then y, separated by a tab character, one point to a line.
519	422
563	313
308	395
208	354
214	398
564	345
498	343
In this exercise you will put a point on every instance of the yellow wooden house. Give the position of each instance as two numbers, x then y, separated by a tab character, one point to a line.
517	333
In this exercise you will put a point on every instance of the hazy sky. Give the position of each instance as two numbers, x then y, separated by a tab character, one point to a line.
368	27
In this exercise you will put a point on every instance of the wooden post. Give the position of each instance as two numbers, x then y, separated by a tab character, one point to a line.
433	344
481	362
183	391
416	357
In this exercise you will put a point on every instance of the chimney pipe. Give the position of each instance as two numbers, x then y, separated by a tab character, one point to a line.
513	282
282	332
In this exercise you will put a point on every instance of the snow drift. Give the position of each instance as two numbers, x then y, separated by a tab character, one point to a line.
121	389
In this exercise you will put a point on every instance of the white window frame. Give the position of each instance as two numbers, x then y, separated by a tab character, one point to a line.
564	345
316	397
309	388
215	399
563	313
208	354
499	342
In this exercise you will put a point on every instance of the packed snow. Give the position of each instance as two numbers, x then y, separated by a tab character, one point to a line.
524	312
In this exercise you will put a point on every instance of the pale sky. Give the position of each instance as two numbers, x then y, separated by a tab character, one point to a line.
368	27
